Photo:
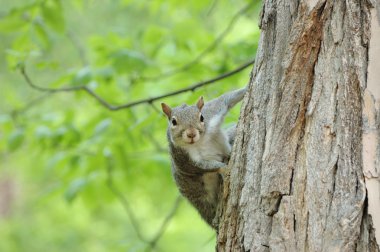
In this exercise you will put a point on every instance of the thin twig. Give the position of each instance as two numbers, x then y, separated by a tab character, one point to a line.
29	105
79	47
206	51
152	139
67	89
212	7
152	243
154	107
123	200
135	103
165	223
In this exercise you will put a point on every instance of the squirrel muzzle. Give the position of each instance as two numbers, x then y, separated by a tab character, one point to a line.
191	135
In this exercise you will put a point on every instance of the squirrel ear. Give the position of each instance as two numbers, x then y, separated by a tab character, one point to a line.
200	103
166	109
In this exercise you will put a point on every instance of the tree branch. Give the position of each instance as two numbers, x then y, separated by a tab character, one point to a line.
212	7
152	243
123	201
79	47
15	112
165	223
135	103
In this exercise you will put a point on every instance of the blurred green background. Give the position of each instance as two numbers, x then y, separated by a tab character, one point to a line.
75	176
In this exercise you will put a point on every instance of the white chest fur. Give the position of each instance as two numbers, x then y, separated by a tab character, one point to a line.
205	152
210	148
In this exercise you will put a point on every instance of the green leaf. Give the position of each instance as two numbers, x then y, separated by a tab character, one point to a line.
62	80
11	23
106	73
56	160
74	188
83	76
102	126
5	118
42	35
125	60
16	138
52	14
153	34
21	47
42	132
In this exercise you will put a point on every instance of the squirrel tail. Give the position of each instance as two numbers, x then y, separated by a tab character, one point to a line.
233	97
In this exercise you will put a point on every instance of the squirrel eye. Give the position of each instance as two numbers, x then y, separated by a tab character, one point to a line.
174	122
202	119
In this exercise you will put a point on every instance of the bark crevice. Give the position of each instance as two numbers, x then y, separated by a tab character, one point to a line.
296	182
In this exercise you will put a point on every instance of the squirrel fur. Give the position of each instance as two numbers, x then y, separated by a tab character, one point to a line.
200	149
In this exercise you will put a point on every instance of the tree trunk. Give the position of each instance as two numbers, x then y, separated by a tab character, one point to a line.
296	181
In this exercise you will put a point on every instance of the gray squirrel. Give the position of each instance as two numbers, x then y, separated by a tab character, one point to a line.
200	150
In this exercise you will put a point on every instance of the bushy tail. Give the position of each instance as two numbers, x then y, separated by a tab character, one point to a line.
217	108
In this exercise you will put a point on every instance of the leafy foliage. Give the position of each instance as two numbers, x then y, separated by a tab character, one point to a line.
75	176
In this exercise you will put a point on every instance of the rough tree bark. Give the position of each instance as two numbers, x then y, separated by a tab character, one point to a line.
296	182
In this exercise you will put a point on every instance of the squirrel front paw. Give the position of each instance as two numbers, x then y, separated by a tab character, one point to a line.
226	159
223	171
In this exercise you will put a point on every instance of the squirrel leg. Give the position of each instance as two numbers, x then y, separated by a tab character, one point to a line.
210	165
230	133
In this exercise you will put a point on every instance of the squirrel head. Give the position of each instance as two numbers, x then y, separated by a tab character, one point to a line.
186	123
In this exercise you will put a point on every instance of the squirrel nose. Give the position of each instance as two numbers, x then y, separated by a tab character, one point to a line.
191	135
